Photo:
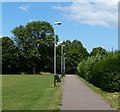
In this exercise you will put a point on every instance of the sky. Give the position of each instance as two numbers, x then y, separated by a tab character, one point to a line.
95	24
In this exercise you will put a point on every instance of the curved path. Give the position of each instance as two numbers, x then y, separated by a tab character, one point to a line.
78	96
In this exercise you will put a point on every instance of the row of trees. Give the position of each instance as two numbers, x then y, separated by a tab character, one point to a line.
31	50
74	53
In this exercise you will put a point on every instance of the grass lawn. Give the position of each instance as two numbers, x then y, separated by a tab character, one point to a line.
111	98
30	92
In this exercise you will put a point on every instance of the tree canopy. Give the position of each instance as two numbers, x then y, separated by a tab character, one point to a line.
9	55
31	49
74	53
98	51
33	39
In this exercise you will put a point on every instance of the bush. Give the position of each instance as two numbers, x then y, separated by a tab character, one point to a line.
106	73
80	69
102	70
84	68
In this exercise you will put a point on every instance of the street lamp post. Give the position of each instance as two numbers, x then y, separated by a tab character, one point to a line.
62	59
64	65
56	23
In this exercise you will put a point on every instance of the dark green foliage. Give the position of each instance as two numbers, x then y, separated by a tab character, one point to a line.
32	50
10	55
102	70
34	39
106	73
75	53
98	51
85	67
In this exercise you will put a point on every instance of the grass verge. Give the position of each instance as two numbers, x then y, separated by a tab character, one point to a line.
30	92
111	98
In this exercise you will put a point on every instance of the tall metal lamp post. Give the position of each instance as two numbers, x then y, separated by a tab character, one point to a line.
62	58
64	65
56	23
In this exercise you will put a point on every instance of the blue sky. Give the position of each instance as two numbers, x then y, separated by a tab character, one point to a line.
94	24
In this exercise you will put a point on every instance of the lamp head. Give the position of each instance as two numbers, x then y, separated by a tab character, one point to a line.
57	23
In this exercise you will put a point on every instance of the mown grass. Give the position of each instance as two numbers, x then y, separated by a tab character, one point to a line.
30	92
111	98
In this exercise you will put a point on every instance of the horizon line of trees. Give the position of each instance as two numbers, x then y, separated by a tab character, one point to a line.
31	50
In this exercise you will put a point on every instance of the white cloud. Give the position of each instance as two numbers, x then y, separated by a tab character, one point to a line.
92	13
25	8
1	36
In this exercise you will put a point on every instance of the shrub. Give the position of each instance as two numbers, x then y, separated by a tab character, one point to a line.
85	67
80	69
106	73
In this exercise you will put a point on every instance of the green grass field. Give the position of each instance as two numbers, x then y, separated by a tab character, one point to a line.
111	98
30	92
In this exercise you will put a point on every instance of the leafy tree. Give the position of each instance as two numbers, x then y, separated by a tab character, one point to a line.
98	51
9	55
33	39
75	56
75	52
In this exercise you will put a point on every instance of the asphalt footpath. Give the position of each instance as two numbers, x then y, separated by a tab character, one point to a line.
76	95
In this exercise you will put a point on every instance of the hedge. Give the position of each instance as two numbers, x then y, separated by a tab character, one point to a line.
106	73
84	68
102	71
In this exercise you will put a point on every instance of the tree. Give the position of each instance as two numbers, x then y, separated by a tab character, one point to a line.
98	51
31	38
75	52
9	55
75	56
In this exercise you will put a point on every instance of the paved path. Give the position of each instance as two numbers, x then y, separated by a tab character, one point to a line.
78	96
